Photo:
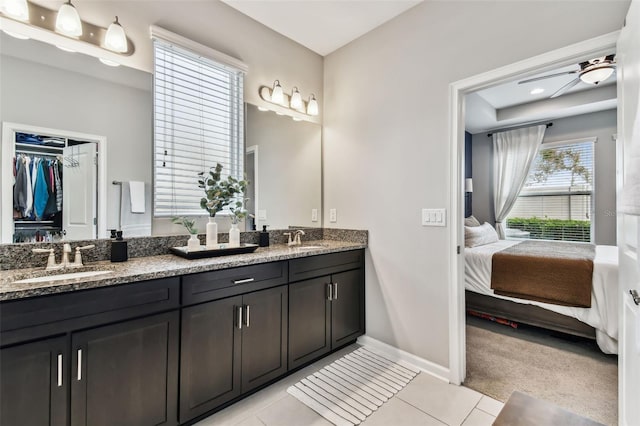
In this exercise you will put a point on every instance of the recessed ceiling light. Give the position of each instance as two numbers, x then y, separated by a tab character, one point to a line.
537	91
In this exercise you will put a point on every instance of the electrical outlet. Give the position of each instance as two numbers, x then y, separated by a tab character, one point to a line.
314	215
262	215
333	215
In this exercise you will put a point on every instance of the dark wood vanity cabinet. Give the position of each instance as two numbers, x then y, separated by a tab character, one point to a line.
328	311
34	383
231	346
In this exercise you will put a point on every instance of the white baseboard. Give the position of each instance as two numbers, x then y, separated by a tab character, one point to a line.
395	354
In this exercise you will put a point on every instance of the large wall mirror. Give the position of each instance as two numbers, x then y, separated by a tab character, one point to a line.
71	94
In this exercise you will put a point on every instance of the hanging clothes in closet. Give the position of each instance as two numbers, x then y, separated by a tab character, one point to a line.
37	191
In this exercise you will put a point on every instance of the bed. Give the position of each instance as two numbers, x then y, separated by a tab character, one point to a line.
599	321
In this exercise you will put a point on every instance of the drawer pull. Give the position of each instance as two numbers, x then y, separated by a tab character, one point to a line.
239	317
59	370
79	364
244	281
247	307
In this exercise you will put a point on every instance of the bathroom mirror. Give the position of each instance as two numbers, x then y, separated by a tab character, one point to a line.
43	86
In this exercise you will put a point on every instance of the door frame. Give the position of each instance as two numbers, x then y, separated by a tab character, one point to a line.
8	152
568	55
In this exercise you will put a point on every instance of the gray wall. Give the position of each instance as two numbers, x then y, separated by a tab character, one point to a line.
599	124
386	133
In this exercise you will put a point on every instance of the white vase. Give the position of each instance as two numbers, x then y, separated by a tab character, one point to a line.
234	236
212	233
194	243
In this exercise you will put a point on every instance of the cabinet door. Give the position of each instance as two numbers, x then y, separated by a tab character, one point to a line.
209	356
347	307
33	384
126	374
264	337
309	321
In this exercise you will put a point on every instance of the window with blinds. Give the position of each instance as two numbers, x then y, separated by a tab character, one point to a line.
198	122
556	202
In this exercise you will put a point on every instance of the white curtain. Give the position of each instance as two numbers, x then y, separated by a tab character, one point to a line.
513	154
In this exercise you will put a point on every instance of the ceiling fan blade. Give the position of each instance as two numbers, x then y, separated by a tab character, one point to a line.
546	76
566	87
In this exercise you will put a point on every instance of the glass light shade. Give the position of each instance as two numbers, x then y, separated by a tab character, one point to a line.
68	21
17	9
277	96
597	75
116	39
312	106
296	99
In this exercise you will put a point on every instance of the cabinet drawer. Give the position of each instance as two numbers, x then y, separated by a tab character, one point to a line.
48	315
326	264
202	287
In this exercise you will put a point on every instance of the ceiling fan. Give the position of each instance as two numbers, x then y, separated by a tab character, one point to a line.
593	71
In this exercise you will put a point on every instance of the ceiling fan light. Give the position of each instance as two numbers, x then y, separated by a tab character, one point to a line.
68	21
277	95
312	106
597	75
16	9
296	99
116	39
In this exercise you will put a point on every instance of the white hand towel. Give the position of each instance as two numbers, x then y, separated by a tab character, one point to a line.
136	192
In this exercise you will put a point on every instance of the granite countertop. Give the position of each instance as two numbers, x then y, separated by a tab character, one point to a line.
153	267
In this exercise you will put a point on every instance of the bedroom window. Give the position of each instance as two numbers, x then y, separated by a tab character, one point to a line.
556	202
198	122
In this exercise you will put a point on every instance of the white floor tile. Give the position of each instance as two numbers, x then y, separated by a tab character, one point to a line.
490	405
251	421
288	411
245	408
448	403
479	418
396	412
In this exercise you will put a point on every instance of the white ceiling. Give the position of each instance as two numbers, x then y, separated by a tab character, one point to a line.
510	104
322	25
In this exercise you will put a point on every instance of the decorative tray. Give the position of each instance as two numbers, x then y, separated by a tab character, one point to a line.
222	250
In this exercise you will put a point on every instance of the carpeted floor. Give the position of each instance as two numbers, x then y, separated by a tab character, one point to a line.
570	372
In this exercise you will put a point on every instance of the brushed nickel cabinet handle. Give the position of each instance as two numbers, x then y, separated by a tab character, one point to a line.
329	291
335	291
59	370
79	364
246	280
239	317
247	308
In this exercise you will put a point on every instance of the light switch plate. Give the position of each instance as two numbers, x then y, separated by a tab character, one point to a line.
262	215
314	215
333	215
434	217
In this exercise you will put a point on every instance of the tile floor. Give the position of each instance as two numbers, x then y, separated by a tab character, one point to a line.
424	401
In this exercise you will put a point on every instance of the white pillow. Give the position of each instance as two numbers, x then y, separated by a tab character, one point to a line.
479	235
471	221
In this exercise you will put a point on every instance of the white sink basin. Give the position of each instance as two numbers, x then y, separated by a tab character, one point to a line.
68	276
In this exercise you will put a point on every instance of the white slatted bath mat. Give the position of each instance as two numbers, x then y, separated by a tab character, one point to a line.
351	388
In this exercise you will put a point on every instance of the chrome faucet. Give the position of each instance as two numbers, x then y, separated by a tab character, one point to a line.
64	262
296	241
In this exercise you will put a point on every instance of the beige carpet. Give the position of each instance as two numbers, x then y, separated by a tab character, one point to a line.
572	373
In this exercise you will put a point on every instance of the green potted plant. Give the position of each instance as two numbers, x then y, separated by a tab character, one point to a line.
194	243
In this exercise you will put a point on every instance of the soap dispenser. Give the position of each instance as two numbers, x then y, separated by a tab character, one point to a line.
119	249
264	237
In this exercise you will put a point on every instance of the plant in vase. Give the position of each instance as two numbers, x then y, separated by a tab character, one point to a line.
237	213
219	193
194	243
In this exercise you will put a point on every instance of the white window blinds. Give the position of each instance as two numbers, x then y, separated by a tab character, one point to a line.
556	200
198	122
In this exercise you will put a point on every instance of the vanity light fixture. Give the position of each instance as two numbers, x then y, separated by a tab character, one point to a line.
277	95
16	9
68	21
115	39
312	105
296	99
